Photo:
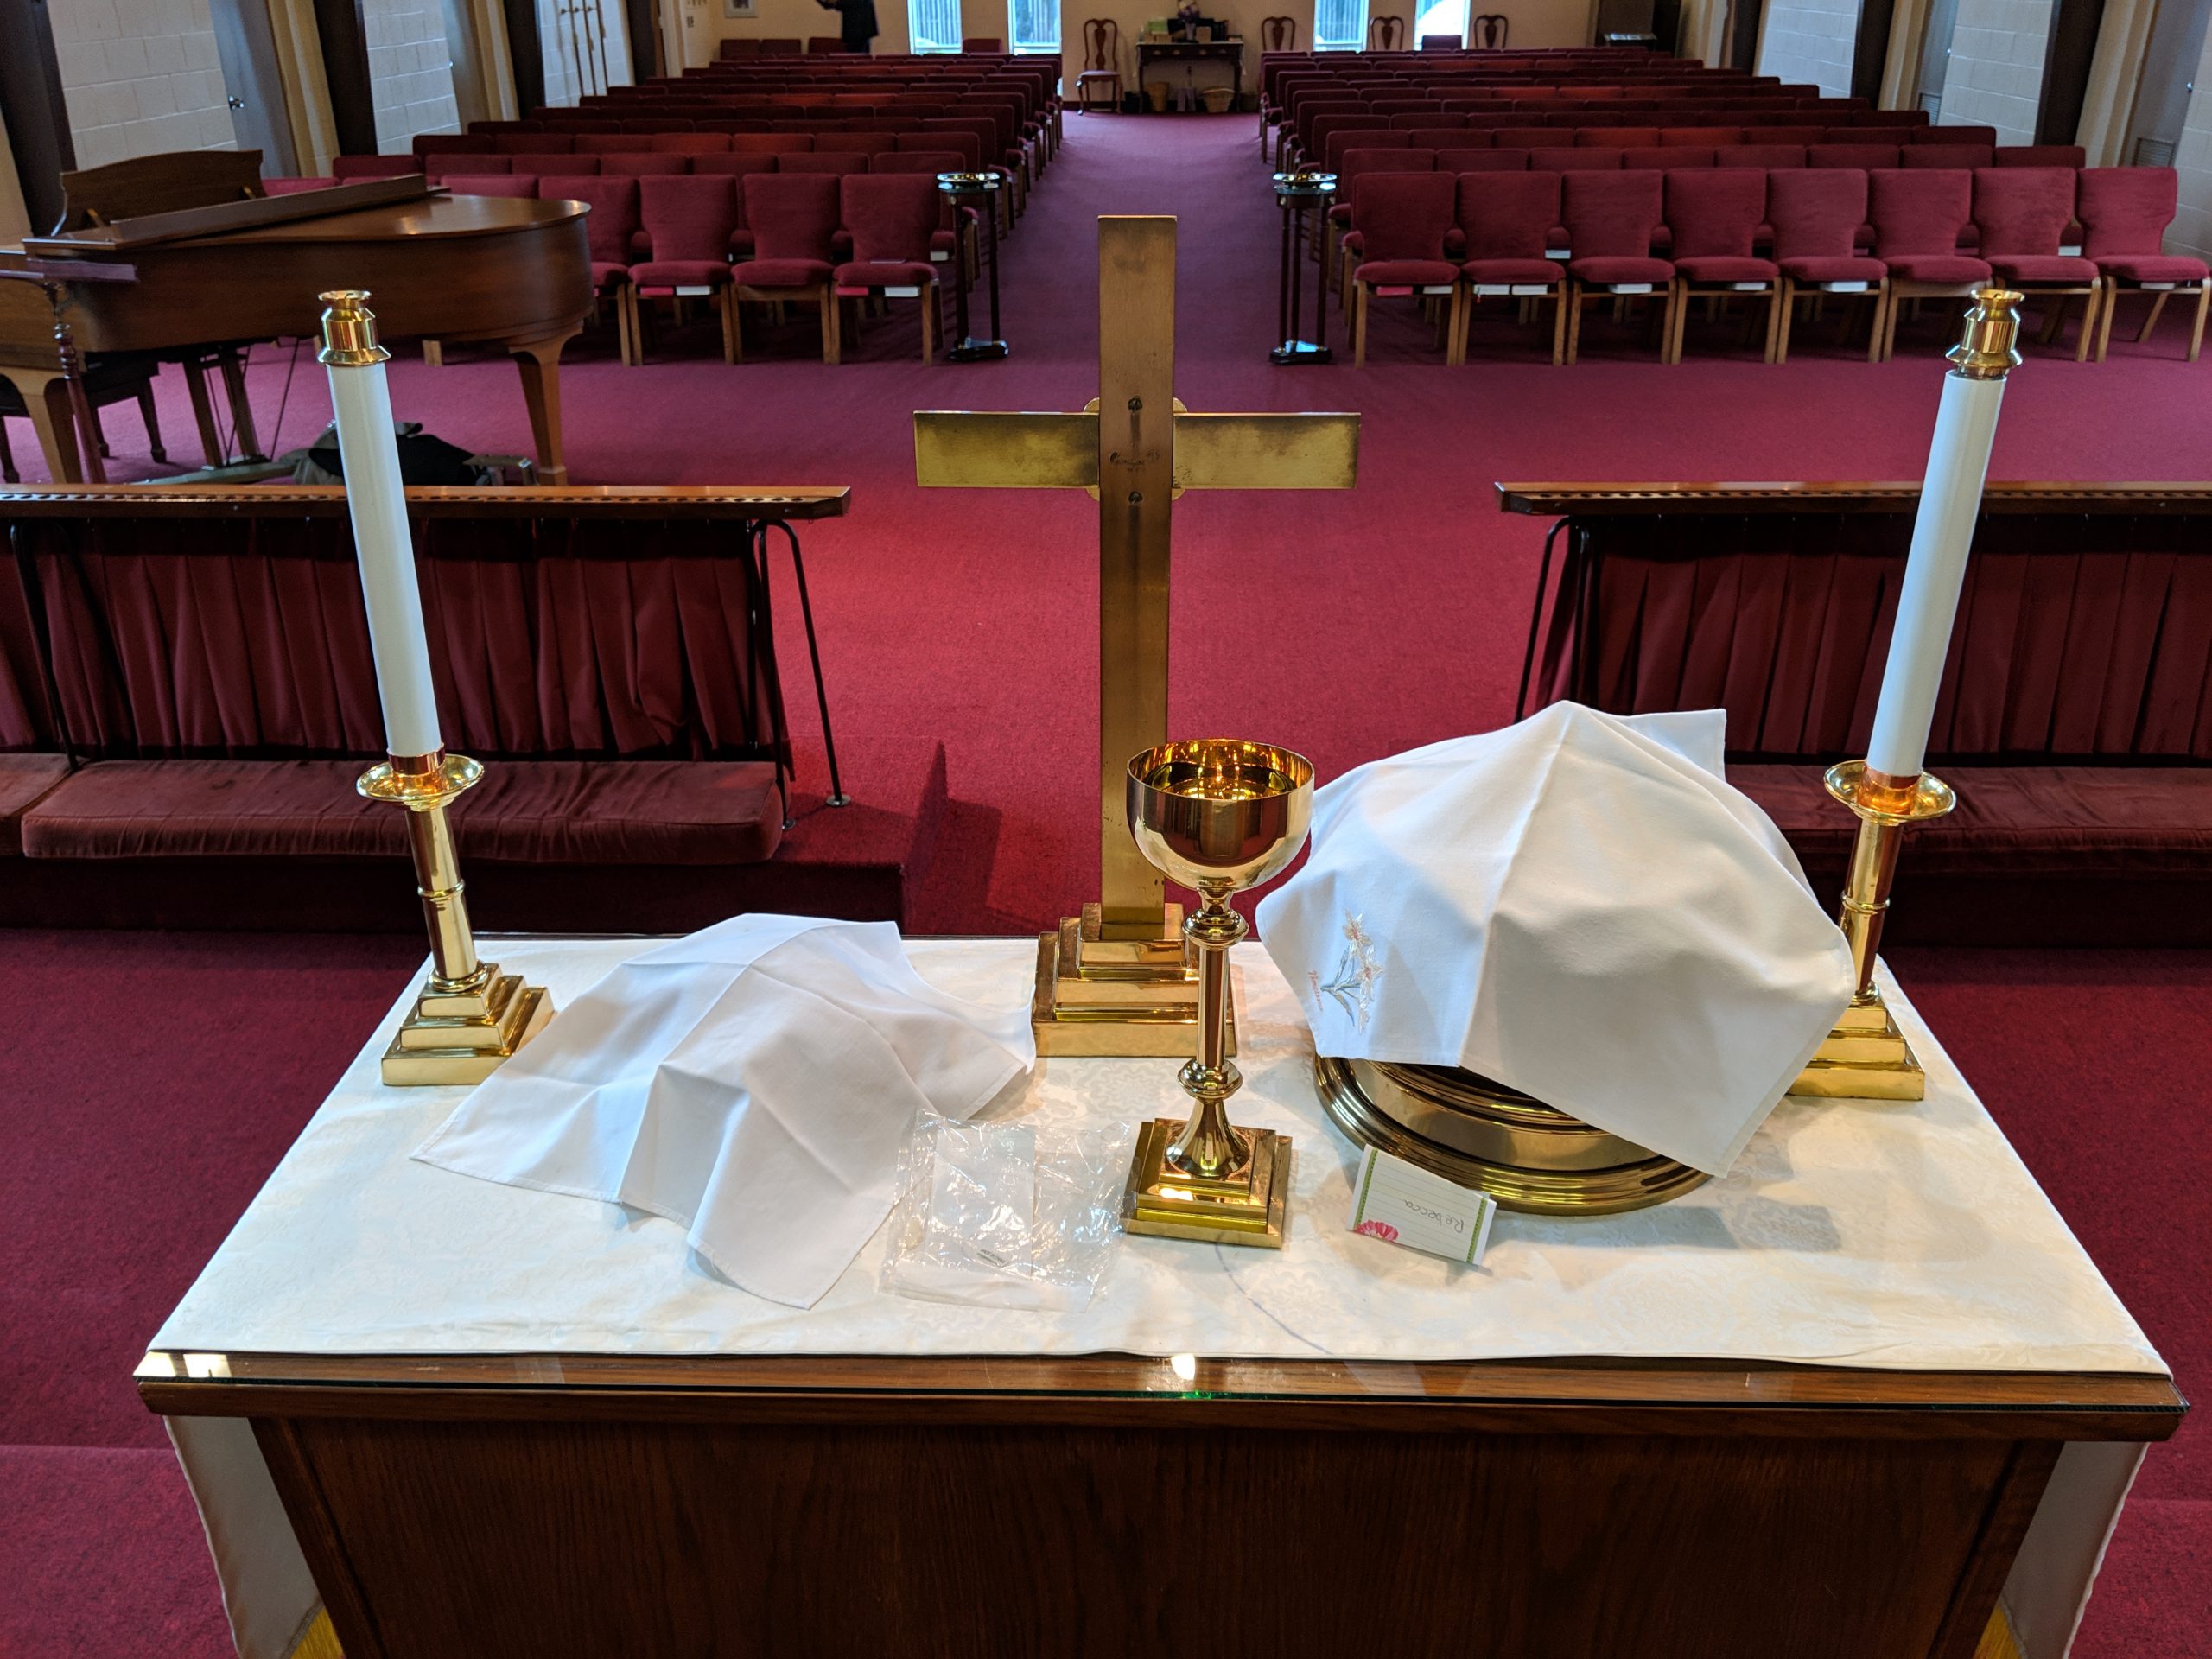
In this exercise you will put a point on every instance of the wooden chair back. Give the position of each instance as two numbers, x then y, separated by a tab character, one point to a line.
1101	45
1385	34
1489	31
1279	34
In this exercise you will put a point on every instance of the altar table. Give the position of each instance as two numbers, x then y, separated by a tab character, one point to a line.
1153	52
1831	1404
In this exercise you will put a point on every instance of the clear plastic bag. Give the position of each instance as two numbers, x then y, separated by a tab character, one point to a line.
1007	1214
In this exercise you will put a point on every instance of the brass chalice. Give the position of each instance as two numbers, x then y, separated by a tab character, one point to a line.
1217	816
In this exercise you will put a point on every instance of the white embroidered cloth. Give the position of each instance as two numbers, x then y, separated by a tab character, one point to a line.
1884	1236
753	1081
1579	907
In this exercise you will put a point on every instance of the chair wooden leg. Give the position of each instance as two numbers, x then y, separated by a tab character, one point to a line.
1455	345
1358	301
1882	304
2196	329
2105	316
153	420
736	325
2089	323
1559	326
1574	298
2158	304
729	323
434	354
929	324
1782	329
832	345
1773	321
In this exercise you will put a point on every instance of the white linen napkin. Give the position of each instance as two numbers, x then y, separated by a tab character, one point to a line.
751	1082
1577	906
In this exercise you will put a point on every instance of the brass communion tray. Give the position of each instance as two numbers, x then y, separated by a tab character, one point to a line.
1526	1154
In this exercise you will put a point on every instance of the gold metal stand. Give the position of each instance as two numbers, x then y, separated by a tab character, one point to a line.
468	1016
1220	816
1867	1057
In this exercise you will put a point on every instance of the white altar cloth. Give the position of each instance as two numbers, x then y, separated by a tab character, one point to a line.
1858	1234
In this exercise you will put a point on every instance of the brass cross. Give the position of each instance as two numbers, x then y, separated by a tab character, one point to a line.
1135	449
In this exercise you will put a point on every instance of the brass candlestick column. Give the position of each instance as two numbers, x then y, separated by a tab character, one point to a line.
1866	1056
468	1016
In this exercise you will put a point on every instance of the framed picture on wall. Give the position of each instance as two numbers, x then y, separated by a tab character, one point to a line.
740	9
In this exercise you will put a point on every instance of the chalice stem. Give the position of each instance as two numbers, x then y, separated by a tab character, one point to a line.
1208	1147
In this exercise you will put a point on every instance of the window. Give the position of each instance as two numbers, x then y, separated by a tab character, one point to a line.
1036	26
934	25
1439	17
1339	25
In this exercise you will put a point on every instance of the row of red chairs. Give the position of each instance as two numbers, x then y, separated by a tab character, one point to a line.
804	239
444	169
1865	157
1597	149
1306	139
1572	236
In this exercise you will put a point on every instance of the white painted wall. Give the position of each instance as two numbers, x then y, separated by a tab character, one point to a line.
1811	42
410	71
140	77
1995	75
2192	226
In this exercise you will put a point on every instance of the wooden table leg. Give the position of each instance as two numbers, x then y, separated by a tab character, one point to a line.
539	362
203	414
46	400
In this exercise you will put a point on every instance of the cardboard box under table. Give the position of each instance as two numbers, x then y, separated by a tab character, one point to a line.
1832	1404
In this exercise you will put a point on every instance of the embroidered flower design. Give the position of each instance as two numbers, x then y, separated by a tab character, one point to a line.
1381	1230
1350	986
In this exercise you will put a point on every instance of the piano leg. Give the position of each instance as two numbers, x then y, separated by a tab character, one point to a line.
233	367
203	413
54	418
539	362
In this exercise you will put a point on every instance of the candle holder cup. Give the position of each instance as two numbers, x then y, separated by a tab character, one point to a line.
1220	816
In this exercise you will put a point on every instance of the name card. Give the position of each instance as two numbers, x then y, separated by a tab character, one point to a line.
1401	1204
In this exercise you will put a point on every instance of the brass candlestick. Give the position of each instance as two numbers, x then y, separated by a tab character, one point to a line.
1218	816
468	1016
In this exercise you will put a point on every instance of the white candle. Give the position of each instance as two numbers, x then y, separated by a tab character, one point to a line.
1935	571
370	455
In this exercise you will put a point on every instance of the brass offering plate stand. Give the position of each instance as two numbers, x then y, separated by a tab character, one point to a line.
1099	995
1243	1206
1527	1156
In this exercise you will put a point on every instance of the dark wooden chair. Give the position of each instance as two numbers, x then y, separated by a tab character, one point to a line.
1385	34
1279	34
1489	31
1102	63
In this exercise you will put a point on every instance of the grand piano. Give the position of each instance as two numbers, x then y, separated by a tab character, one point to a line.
183	258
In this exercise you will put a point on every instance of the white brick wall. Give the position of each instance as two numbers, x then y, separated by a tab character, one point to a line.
139	78
1995	75
410	71
2192	226
1811	42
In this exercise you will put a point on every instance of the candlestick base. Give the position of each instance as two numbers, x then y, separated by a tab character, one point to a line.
1866	1057
1246	1208
454	1036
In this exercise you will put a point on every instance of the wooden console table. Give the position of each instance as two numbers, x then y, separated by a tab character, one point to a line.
1228	52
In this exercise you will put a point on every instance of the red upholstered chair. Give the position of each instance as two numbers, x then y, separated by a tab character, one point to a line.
1340	141
343	168
492	184
1530	138
2022	213
1358	164
1815	214
545	162
772	143
689	223
1399	224
1482	161
893	220
1865	157
850	143
612	223
1917	216
1507	221
1557	158
1765	156
2124	212
1715	214
1619	137
794	221
734	166
509	143
1701	138
643	164
1611	219
835	162
1944	156
1438	138
690	143
1665	159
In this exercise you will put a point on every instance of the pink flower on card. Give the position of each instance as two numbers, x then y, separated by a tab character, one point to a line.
1381	1230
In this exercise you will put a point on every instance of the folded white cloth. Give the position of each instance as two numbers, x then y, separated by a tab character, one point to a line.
1577	906
753	1081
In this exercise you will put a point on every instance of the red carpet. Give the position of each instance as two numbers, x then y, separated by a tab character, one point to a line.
1356	624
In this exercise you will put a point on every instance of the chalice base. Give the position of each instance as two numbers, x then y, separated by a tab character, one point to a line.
1162	1202
450	1037
1865	1057
1099	996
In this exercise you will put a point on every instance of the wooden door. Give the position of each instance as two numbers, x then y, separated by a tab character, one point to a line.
254	83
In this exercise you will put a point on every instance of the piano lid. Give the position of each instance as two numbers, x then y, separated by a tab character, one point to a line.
253	212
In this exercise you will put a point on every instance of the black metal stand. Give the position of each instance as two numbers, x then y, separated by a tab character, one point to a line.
1297	194
980	191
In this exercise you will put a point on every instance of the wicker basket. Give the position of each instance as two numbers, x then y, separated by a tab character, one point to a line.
1218	99
1155	94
